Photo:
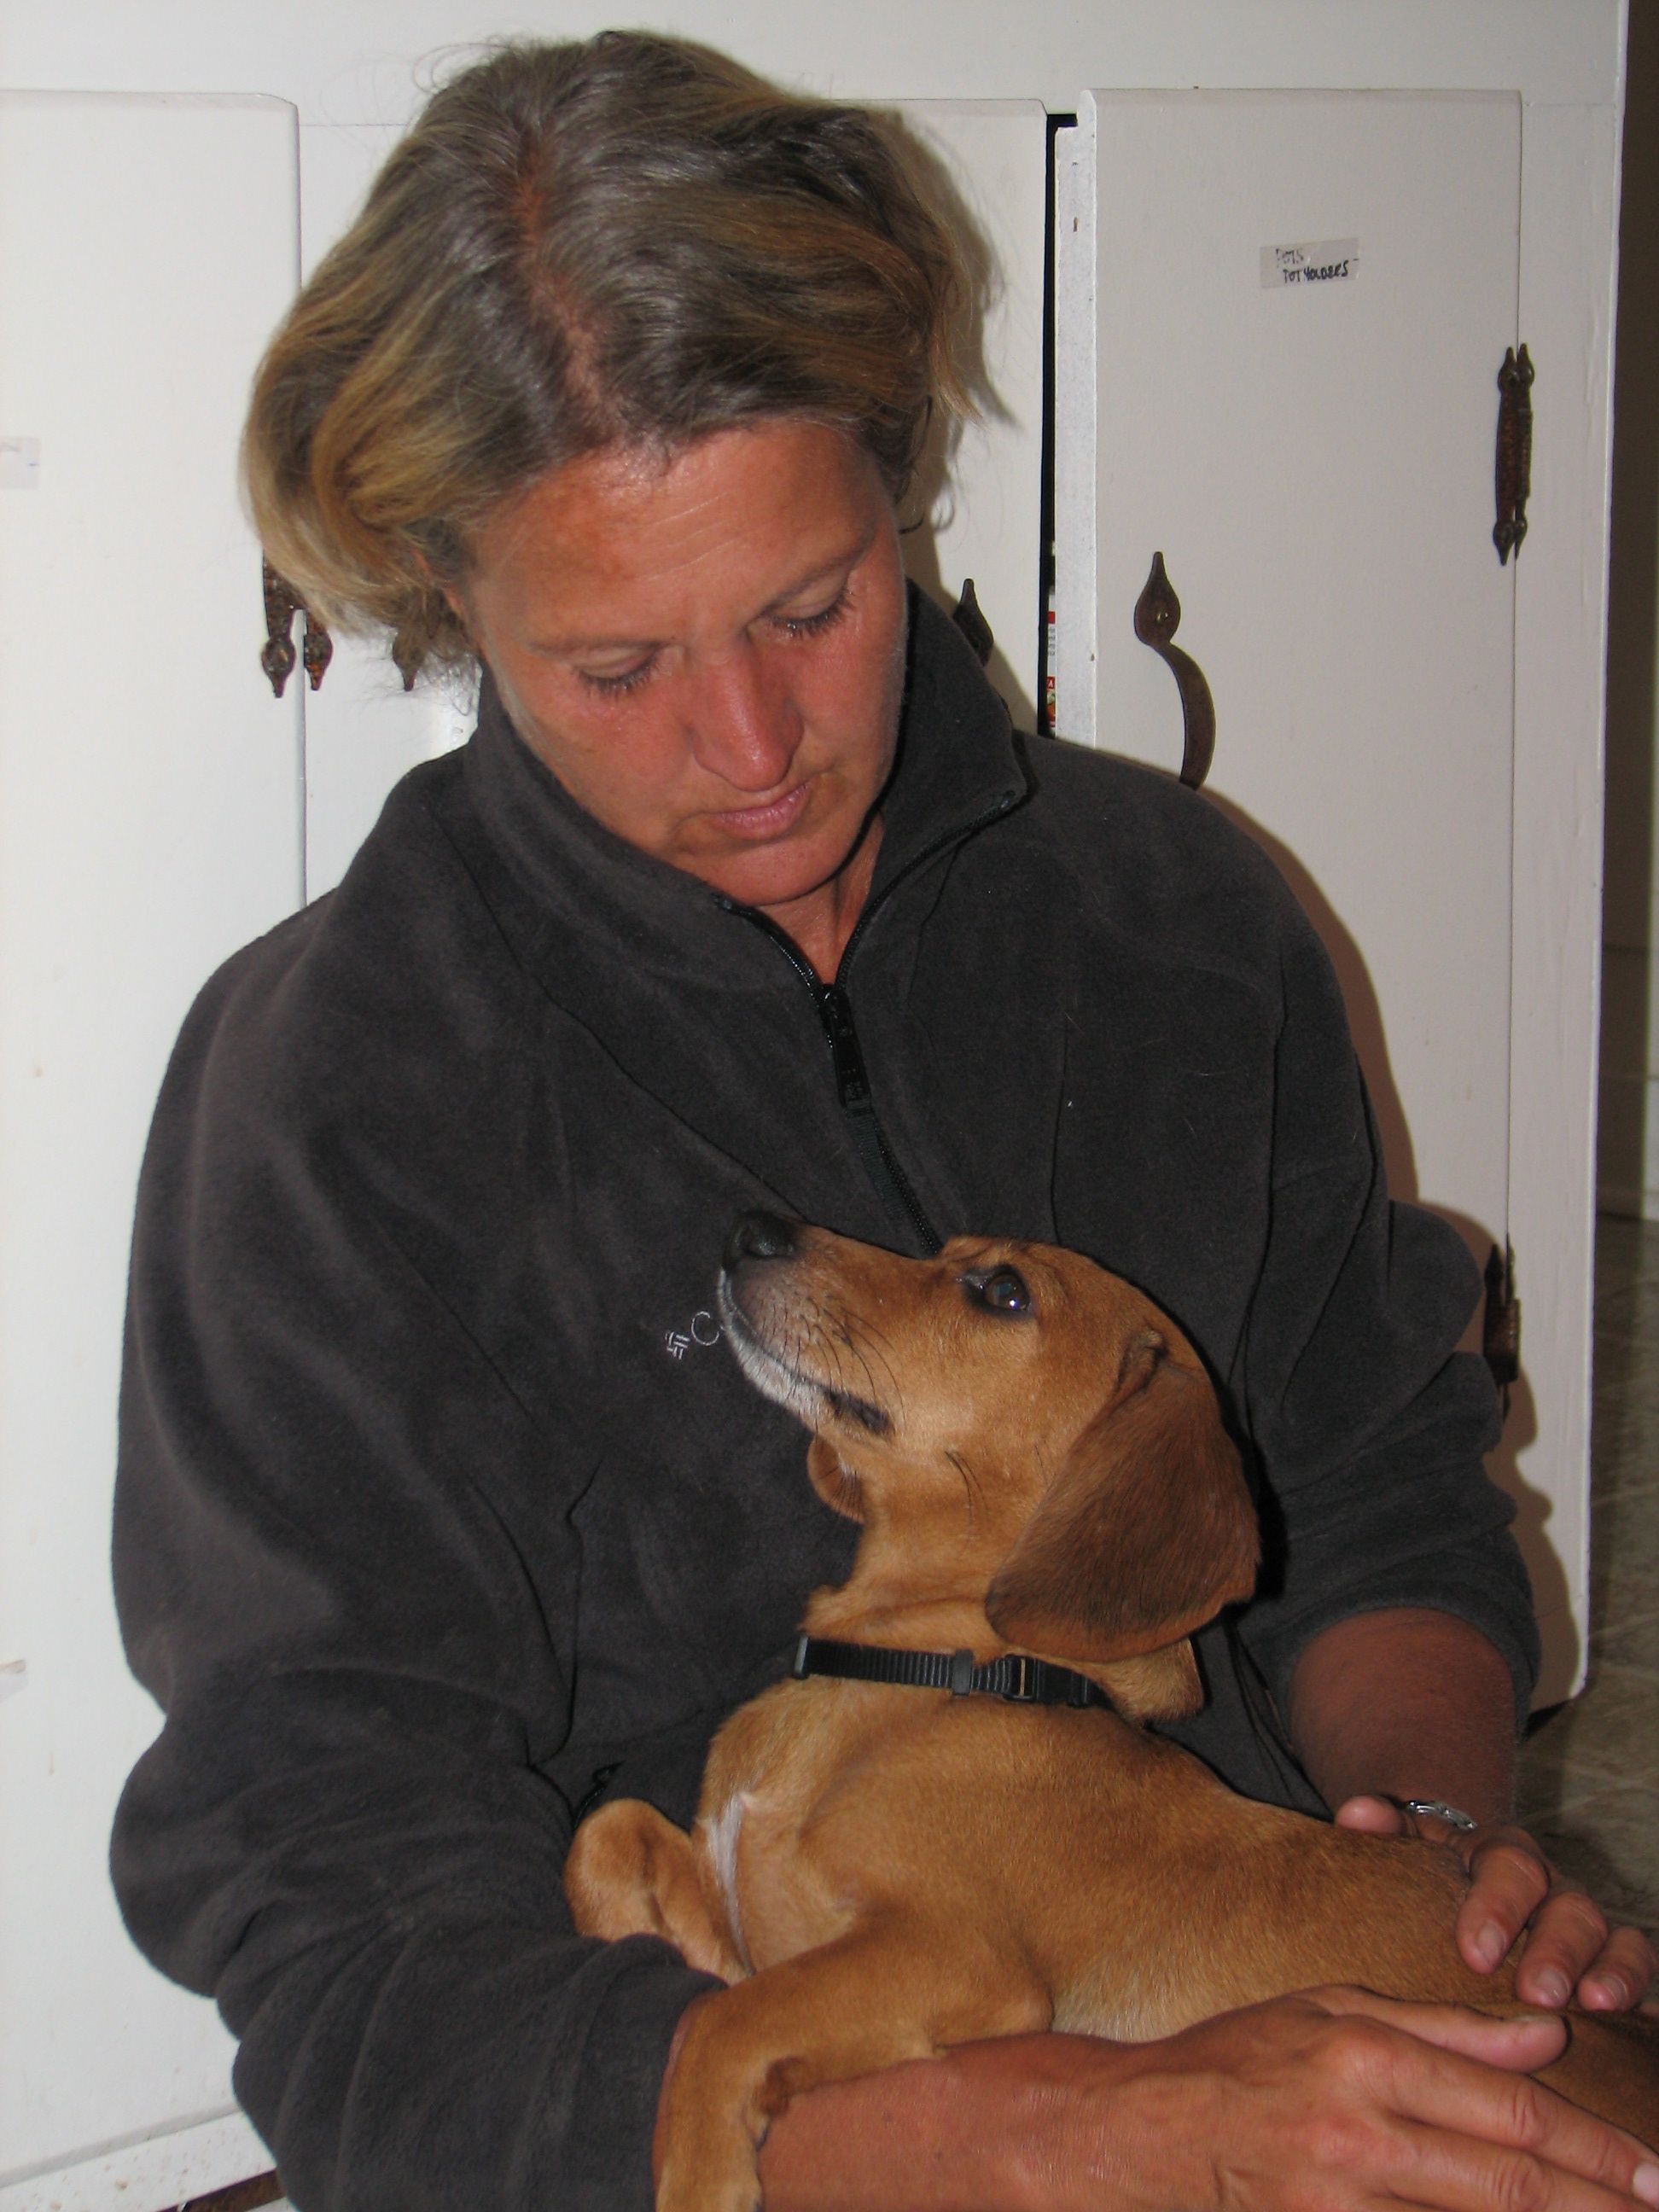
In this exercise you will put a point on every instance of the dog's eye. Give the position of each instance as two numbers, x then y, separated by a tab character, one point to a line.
1004	1291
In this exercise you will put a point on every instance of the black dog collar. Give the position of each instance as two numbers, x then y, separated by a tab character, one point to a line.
1018	1679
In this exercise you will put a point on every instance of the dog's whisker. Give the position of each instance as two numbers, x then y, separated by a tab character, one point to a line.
886	1382
970	1485
869	1357
877	1336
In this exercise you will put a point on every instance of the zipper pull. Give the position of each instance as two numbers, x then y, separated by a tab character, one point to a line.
852	1085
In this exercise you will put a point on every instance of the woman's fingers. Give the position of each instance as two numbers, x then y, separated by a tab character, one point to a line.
1376	1816
1464	2075
1521	2046
1570	1951
1446	2171
1340	2101
1622	1975
1512	1884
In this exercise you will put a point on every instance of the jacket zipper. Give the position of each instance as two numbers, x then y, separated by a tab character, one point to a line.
847	1055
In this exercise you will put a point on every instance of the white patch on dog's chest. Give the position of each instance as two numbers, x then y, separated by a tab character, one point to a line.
720	1840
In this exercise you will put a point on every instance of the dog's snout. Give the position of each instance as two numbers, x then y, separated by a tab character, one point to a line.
759	1236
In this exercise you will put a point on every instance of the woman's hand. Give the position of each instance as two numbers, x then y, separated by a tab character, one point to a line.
1328	2101
1570	1948
1337	2098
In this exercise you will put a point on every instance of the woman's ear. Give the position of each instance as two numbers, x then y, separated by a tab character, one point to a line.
837	1486
1145	1533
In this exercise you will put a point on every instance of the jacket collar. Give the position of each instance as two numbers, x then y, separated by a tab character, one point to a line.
956	763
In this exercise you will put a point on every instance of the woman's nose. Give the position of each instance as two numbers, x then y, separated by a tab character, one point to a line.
745	727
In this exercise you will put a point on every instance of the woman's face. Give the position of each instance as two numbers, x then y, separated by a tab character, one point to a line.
708	654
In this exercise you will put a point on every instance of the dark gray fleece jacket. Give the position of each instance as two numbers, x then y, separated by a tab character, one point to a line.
442	1507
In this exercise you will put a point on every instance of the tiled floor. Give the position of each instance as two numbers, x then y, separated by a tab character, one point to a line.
1590	1774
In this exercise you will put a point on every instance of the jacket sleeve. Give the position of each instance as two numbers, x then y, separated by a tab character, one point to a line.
1370	1425
340	1831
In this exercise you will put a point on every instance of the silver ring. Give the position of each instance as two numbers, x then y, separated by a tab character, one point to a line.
1452	1815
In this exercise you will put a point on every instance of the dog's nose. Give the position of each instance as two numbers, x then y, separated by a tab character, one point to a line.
759	1237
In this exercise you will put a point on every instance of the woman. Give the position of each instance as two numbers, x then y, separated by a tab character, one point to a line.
442	1512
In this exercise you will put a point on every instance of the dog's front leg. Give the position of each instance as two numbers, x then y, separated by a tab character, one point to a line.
883	1992
632	1873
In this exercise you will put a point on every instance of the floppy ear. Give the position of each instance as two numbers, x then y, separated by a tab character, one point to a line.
1160	1686
1145	1533
837	1486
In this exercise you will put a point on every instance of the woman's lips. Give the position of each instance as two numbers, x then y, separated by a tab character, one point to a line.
777	814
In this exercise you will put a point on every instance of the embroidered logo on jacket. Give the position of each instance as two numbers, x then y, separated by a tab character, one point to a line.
704	1330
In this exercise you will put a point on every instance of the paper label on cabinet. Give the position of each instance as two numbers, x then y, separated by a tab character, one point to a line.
19	463
1325	261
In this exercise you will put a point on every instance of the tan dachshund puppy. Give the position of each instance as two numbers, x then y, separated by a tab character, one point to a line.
879	1871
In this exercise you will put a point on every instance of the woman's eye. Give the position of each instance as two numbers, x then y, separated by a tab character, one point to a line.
812	625
611	687
1004	1291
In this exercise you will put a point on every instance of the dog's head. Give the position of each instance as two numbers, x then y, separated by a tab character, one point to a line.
1013	1413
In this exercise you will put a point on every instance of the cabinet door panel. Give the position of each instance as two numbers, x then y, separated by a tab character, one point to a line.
1315	461
150	823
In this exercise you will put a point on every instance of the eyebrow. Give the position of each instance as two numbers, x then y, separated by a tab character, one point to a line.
846	559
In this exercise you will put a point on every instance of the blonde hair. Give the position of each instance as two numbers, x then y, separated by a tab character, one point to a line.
625	239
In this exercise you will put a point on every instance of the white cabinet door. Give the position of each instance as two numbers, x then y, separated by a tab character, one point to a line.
1314	462
1282	317
149	822
978	512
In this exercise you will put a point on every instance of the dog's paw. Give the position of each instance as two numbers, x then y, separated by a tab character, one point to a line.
692	2183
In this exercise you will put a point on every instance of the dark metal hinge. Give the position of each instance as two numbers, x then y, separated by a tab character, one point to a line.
1501	1334
277	656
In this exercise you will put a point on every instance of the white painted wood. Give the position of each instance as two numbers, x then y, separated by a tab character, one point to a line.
1567	276
370	61
1316	464
149	824
1569	212
1362	674
989	159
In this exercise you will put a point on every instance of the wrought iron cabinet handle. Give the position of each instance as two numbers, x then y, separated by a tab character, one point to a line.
1513	471
1157	616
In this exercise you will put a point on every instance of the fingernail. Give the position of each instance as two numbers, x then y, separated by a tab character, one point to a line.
1489	1946
1644	2184
1552	1986
1605	1990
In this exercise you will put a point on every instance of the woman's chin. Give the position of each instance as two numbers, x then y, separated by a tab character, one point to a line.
780	873
764	880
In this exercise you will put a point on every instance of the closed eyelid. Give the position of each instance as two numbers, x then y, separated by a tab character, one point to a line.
614	684
624	679
835	577
819	618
